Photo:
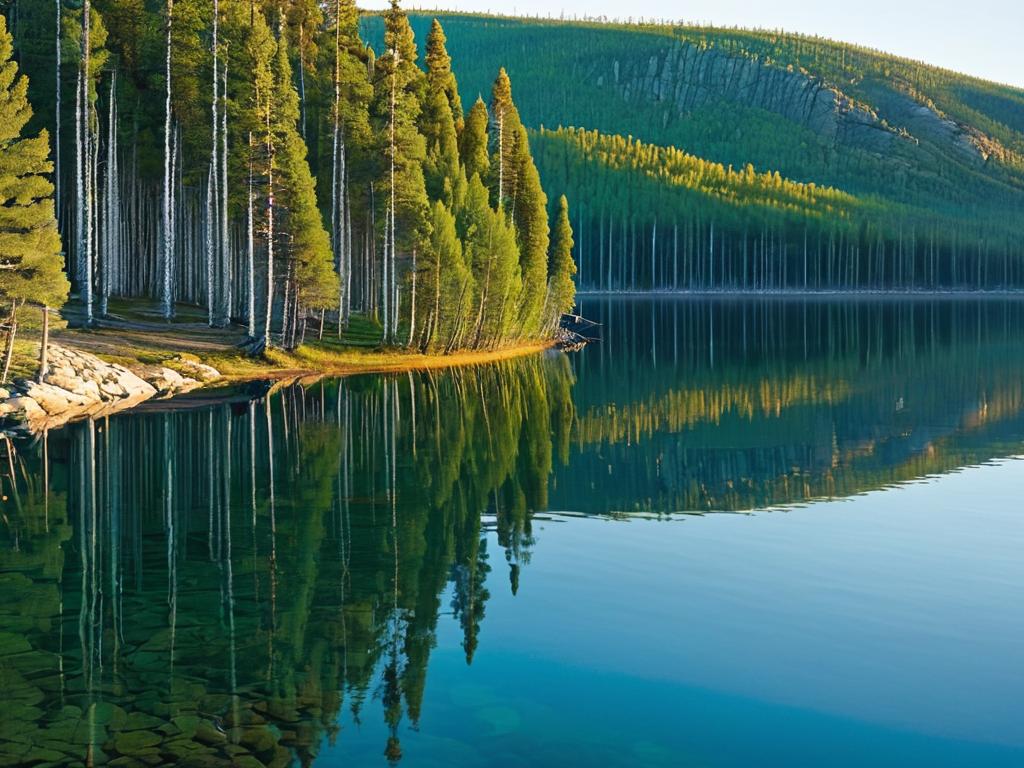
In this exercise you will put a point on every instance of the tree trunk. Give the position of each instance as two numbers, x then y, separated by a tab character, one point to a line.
412	305
166	298
56	127
12	330
250	256
44	347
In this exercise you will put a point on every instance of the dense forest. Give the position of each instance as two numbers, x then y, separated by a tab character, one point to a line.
925	166
258	159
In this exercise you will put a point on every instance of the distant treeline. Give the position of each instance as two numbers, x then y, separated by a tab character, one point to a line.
658	218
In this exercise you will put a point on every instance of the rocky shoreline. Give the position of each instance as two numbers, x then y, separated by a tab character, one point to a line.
80	385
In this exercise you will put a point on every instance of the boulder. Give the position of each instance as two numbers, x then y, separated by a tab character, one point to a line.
51	399
77	384
199	371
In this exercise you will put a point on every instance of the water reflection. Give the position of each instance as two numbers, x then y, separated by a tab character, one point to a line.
703	406
226	585
220	583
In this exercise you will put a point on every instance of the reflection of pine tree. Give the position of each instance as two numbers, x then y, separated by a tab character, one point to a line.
469	599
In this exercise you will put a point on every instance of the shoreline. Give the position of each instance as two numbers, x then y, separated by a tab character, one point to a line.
107	370
797	294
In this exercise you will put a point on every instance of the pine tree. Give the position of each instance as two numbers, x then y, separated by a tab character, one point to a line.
504	142
561	297
398	91
31	263
439	72
342	175
516	190
473	141
530	214
446	281
311	282
440	124
490	252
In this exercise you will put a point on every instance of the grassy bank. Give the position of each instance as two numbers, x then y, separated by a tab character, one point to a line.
134	334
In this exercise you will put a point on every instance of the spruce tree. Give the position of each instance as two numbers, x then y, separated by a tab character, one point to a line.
398	91
446	282
31	263
439	123
530	215
516	190
311	282
491	254
439	72
503	142
561	287
473	141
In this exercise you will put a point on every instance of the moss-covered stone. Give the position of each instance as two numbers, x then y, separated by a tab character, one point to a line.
133	742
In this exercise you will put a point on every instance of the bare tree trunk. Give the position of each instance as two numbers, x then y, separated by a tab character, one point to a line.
44	347
225	242
213	201
250	256
56	127
412	305
87	161
12	331
166	297
270	235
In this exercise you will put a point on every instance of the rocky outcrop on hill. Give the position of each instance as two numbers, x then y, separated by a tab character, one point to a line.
688	77
79	384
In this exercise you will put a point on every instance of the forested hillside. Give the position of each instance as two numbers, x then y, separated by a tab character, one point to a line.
931	162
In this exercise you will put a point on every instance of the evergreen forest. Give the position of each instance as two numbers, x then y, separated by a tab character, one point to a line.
259	160
722	159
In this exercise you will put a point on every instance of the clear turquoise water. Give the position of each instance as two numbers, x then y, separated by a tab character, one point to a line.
730	534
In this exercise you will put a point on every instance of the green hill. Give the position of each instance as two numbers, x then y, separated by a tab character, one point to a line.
934	159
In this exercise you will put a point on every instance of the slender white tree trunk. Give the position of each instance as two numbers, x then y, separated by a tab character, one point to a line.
79	185
250	256
390	266
87	202
225	244
109	199
270	235
213	204
166	297
56	127
336	177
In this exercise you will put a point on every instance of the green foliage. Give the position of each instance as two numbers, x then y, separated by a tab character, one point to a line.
447	283
657	217
398	90
490	251
460	275
30	253
561	297
473	141
303	234
931	151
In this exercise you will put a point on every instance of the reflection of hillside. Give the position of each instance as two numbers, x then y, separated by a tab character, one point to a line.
798	402
235	579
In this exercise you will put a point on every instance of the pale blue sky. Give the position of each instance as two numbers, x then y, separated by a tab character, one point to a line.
984	38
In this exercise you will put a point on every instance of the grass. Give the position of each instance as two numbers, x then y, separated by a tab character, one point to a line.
134	333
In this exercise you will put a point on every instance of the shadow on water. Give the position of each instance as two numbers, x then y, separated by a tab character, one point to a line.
218	585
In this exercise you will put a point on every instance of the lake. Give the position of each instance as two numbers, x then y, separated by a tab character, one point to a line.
731	533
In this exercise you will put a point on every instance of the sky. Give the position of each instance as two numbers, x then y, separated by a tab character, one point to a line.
983	38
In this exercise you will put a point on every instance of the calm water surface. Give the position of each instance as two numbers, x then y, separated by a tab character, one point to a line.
730	534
